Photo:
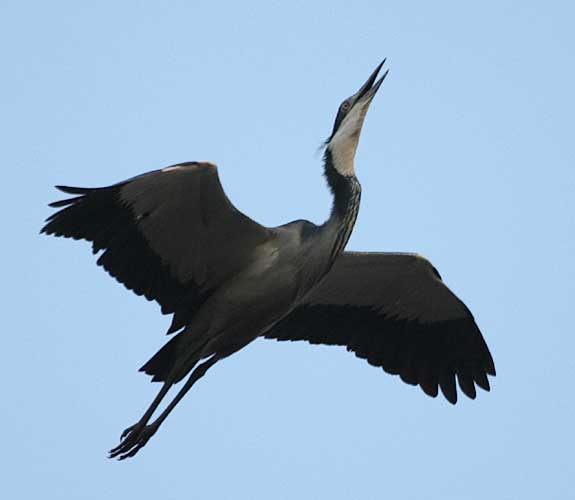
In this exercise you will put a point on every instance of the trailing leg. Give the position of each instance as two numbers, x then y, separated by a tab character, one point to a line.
132	433
137	436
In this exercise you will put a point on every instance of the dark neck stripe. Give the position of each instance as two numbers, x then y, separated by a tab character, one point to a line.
347	222
346	191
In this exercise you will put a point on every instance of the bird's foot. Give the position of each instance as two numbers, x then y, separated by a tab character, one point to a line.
133	439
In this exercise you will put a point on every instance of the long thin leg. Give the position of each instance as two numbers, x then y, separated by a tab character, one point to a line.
138	437
156	402
135	429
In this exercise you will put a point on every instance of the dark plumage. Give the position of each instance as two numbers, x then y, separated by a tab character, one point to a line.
393	310
173	236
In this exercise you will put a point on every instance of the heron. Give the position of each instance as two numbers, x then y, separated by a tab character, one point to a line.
173	236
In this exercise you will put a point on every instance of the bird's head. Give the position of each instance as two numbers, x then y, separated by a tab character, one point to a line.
344	138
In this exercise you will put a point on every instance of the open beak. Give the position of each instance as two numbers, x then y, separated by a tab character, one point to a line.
368	90
358	102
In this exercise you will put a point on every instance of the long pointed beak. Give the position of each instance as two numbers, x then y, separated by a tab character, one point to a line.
358	102
369	88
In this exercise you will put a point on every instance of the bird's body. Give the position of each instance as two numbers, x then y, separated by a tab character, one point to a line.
173	236
278	272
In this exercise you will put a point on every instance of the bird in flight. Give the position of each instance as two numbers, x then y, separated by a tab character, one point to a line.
173	236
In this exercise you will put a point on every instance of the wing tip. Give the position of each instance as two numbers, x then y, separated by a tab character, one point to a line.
429	387
451	397
73	189
490	367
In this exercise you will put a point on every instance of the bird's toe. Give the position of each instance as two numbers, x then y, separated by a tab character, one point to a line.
133	439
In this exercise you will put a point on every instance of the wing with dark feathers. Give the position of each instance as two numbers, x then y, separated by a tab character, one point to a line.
171	235
394	310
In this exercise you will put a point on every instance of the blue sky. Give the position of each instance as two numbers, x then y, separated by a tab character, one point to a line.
466	156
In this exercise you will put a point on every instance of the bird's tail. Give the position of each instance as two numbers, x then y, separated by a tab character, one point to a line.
175	359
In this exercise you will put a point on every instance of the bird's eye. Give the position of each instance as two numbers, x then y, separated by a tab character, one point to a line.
345	105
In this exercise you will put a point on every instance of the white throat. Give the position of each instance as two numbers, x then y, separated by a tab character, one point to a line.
344	143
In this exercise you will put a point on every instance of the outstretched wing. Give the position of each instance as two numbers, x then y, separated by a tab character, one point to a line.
171	235
394	310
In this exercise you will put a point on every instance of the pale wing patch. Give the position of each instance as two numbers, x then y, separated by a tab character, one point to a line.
192	164
172	168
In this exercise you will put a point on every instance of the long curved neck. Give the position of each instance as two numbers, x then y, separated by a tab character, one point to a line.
346	191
